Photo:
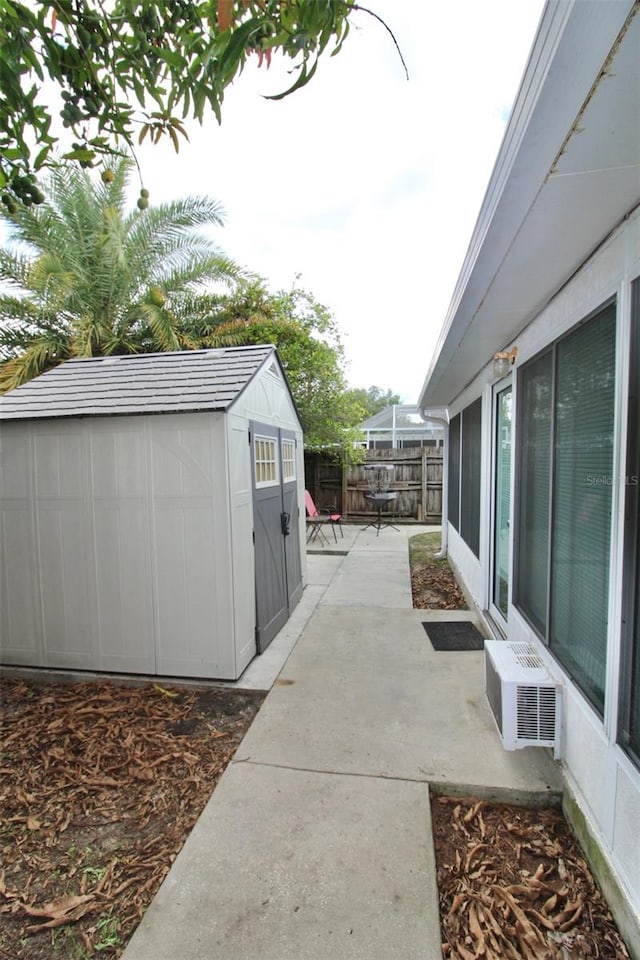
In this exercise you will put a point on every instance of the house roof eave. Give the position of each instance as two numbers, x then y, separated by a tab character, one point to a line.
556	165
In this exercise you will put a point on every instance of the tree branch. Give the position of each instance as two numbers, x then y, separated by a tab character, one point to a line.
372	13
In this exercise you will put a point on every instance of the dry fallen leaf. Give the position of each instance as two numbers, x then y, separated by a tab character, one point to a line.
77	824
58	908
505	902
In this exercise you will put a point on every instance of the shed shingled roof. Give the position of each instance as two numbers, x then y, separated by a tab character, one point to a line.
179	382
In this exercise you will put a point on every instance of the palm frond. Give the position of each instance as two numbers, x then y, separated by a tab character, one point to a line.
233	334
183	214
159	247
112	243
16	308
51	280
14	268
201	276
161	324
84	272
40	355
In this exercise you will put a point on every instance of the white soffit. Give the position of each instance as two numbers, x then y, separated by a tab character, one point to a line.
567	173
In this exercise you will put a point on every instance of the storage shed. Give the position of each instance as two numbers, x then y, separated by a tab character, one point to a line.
149	509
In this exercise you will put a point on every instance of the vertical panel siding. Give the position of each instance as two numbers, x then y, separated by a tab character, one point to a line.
119	511
122	551
243	580
192	570
186	595
65	561
20	627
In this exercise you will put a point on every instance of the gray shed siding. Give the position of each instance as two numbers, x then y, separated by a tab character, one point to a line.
126	539
114	535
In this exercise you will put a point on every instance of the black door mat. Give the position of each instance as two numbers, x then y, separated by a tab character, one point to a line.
454	635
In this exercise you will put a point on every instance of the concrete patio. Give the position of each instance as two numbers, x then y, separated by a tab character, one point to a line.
317	843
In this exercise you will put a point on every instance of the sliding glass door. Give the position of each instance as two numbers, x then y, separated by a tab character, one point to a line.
502	420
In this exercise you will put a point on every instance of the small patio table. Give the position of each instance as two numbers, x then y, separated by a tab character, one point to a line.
380	500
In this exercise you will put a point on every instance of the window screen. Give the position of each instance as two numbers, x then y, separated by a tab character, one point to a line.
534	429
633	727
582	484
630	664
470	476
566	422
453	484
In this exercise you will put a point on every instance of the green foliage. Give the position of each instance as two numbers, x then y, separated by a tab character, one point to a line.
108	933
374	399
85	277
311	352
423	549
113	74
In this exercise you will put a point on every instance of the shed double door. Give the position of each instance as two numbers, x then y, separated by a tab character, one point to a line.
278	570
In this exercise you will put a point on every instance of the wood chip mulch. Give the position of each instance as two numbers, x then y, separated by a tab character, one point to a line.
100	785
513	885
434	587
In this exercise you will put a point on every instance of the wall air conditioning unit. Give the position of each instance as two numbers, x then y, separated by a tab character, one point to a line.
525	700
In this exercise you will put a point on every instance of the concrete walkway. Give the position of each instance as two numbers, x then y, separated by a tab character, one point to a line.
316	844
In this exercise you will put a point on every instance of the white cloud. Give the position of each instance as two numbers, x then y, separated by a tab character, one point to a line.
366	184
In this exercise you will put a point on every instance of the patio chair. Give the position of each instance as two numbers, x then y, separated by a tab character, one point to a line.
316	518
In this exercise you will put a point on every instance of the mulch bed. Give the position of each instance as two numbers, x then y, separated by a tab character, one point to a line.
100	785
513	885
434	587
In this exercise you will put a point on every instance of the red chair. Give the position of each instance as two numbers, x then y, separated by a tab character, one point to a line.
316	518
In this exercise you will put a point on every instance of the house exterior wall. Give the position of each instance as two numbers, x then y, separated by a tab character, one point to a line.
468	567
116	537
604	781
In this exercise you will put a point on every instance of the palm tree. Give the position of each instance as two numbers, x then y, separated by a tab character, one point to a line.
83	277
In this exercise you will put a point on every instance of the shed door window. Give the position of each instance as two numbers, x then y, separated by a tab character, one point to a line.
265	452
288	460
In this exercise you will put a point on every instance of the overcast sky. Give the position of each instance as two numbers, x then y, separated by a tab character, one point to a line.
364	183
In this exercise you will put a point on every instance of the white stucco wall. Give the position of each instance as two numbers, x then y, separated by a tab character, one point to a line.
468	566
603	779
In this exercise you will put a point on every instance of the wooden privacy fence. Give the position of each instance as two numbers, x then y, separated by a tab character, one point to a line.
416	477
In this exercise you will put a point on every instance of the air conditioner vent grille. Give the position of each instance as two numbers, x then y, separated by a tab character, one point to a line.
535	713
493	688
525	655
525	700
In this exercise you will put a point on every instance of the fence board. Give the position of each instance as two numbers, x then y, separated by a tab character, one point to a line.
417	479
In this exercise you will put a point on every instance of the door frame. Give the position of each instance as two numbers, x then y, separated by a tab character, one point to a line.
291	505
499	617
275	534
